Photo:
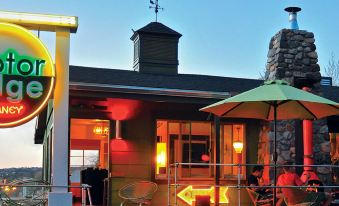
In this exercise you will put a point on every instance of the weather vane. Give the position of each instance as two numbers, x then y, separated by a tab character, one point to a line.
155	5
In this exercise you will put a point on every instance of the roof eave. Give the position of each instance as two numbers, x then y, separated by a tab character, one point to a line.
148	90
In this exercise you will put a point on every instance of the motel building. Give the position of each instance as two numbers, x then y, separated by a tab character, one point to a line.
137	123
141	124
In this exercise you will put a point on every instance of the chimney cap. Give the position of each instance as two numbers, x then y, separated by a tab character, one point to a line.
293	9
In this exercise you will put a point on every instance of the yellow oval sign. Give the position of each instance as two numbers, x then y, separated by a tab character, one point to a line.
27	75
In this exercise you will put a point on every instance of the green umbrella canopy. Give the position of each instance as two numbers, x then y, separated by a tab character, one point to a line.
275	100
292	103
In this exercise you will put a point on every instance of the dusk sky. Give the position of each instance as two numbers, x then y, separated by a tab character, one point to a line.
221	37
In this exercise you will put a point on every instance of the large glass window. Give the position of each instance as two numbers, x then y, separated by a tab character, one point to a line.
192	143
186	142
196	145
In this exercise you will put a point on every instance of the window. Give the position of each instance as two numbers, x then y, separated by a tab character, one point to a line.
81	159
84	158
186	142
229	134
192	142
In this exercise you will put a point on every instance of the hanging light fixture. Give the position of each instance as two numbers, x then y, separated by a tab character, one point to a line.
100	130
106	131
97	130
238	145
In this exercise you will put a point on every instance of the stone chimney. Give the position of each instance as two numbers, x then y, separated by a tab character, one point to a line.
156	49
292	57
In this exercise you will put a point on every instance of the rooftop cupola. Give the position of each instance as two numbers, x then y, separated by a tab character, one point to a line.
156	49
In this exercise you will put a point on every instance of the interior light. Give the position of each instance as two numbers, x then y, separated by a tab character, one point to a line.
97	130
100	130
106	130
238	146
7	189
161	157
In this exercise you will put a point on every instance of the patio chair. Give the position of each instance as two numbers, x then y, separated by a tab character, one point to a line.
295	197
257	201
139	193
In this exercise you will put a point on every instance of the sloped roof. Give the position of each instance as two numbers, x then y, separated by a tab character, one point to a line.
180	81
92	75
157	28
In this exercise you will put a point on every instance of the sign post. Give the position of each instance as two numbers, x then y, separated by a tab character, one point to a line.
60	148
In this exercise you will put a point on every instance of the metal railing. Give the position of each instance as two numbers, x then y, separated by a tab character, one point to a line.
85	190
238	186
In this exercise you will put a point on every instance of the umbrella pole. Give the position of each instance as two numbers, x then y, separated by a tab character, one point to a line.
217	160
275	153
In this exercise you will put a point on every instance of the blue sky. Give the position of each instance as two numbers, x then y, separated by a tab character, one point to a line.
221	37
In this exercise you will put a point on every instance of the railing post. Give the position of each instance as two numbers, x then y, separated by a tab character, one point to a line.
175	183
169	186
239	173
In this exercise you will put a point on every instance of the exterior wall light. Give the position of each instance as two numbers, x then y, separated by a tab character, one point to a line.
118	134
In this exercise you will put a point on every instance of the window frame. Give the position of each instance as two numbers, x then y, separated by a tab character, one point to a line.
212	152
222	145
83	157
179	170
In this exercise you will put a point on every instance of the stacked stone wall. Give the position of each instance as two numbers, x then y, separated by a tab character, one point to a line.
292	55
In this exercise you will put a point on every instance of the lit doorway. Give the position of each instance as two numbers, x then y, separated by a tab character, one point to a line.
89	158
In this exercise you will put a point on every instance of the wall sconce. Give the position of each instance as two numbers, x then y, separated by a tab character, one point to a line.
238	145
161	157
118	134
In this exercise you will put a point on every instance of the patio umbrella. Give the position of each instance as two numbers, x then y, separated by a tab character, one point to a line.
275	100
